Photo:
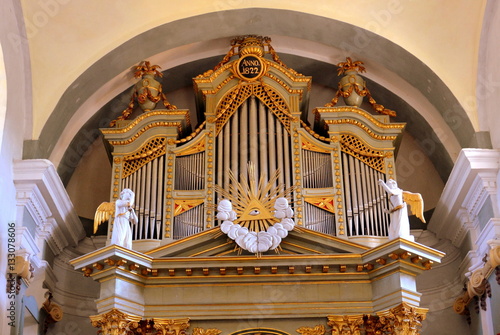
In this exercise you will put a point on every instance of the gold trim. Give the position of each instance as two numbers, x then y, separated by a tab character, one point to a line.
141	117
181	206
209	331
105	249
301	247
193	148
325	203
361	125
307	144
146	128
317	330
271	304
435	252
253	275
359	111
259	74
213	248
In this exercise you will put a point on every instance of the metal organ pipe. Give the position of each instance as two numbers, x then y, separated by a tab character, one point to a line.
254	144
243	138
154	181
364	199
220	161
159	199
287	168
272	143
279	145
224	153
263	144
147	199
354	192
347	194
359	192
234	144
260	138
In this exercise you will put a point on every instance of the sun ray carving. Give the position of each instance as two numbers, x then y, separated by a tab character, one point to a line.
253	199
255	213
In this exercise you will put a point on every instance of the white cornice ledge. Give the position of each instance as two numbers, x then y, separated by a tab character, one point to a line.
38	177
457	194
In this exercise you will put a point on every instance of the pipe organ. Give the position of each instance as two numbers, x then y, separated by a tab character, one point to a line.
252	109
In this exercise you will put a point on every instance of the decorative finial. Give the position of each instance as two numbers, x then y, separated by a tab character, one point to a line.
148	91
352	87
349	65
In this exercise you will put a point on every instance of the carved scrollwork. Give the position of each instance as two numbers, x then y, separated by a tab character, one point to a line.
209	331
477	285
317	330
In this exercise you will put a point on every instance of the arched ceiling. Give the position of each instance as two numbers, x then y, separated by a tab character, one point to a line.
91	93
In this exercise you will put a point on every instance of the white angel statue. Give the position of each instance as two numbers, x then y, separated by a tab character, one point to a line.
400	224
123	212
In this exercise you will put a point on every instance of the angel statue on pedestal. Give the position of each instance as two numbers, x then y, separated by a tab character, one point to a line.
400	224
123	212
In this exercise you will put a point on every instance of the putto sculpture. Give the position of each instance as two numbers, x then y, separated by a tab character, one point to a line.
400	224
123	212
256	241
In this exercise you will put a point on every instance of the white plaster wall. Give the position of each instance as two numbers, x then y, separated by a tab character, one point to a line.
416	173
15	109
488	80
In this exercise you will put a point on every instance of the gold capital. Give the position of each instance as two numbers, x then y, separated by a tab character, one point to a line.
404	319
114	322
171	326
345	325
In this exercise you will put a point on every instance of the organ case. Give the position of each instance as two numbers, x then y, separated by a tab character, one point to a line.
258	116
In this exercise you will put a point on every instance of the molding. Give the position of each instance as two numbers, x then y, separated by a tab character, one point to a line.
473	178
41	191
25	244
488	239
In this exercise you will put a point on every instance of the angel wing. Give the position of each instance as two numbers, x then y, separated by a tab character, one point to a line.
416	202
105	211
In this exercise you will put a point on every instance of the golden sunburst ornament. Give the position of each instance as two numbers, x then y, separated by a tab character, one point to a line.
255	214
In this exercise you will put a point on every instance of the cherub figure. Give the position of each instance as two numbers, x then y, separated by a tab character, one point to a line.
123	211
400	224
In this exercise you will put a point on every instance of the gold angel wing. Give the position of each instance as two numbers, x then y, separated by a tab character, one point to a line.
105	211
416	202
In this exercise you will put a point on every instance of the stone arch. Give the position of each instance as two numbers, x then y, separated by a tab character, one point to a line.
377	49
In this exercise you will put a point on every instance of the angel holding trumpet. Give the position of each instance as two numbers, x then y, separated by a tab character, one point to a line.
400	224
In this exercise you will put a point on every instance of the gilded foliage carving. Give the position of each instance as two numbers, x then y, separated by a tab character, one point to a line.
209	331
317	330
115	322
